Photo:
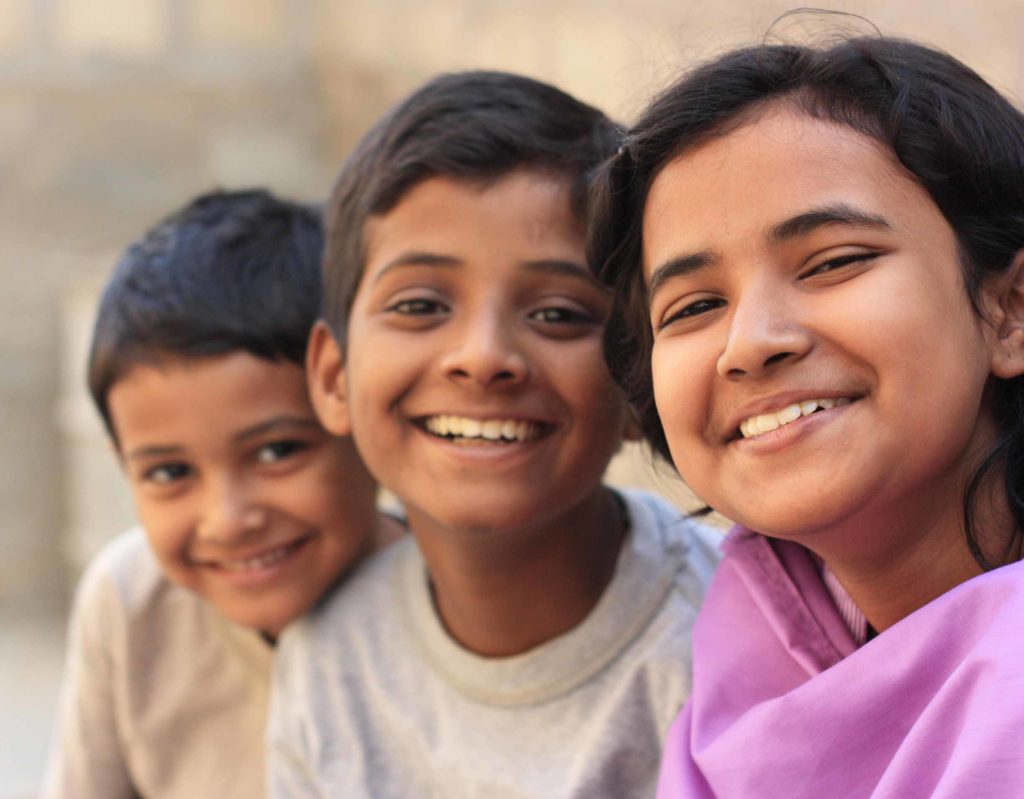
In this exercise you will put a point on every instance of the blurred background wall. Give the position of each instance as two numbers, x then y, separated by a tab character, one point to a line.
113	112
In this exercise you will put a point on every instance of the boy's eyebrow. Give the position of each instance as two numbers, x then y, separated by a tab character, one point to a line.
274	423
555	266
417	258
809	221
156	451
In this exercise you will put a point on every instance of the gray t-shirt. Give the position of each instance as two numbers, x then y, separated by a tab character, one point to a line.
372	697
163	697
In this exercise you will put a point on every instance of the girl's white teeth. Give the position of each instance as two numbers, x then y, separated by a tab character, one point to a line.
766	422
263	561
461	427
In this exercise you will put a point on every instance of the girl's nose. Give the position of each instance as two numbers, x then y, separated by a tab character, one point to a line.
229	514
486	353
764	332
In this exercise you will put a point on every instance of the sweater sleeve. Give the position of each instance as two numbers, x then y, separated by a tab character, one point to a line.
88	757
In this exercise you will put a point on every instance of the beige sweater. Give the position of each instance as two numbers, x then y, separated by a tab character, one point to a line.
163	697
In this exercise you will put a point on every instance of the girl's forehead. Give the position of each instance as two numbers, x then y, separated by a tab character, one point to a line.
743	187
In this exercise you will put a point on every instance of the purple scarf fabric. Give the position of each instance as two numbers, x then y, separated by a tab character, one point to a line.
785	705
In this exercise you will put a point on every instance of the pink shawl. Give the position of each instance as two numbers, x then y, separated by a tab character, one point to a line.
785	705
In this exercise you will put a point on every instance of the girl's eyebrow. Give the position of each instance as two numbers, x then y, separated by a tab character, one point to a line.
809	221
800	225
679	266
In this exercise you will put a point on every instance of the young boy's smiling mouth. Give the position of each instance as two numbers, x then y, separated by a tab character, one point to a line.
470	430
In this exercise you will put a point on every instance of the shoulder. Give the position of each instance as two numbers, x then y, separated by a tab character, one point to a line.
660	528
362	606
123	573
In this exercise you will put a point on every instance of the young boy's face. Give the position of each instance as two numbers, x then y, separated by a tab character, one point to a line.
473	380
245	498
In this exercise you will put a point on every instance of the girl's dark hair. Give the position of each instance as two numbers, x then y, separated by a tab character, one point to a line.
959	138
475	126
232	270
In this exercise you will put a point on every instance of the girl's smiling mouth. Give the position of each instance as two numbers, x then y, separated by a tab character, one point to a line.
760	424
494	430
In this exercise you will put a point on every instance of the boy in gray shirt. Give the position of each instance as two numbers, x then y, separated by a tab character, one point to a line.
532	638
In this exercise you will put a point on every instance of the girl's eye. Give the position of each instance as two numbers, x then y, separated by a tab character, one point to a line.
167	473
841	261
418	306
279	450
693	309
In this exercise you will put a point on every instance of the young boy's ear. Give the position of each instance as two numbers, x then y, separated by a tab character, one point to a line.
1008	310
325	375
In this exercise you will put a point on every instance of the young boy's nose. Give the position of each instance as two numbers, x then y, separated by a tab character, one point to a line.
486	353
229	514
764	332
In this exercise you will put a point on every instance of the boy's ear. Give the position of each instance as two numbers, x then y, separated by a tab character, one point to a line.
325	375
1008	311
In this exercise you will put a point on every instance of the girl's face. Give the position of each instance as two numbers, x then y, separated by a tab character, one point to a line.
817	364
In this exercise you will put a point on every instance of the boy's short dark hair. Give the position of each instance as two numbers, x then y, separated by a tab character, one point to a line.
476	126
232	270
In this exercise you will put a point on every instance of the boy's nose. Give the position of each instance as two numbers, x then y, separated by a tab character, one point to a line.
764	332
229	514
486	354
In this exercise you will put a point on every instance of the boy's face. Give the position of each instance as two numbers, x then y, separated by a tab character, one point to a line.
245	498
474	382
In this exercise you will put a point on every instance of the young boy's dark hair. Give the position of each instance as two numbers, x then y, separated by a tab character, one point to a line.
233	270
475	126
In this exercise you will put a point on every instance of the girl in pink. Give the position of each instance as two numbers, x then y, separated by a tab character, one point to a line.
818	258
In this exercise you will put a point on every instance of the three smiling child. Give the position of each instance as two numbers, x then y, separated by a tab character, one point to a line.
816	308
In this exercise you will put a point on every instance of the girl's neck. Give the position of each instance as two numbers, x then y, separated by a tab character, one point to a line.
922	554
501	593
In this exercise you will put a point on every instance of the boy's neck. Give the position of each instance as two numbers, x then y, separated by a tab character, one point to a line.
500	593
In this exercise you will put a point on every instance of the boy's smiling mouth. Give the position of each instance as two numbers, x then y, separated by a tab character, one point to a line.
759	424
496	430
264	559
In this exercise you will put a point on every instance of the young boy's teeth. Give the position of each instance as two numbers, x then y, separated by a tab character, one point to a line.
461	427
263	561
766	422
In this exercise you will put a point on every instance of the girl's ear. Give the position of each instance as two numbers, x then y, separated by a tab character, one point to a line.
325	376
1008	306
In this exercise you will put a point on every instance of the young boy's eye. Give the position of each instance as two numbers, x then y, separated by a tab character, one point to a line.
166	473
279	450
417	306
557	314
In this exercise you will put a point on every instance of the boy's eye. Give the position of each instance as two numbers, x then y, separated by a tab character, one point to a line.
167	473
279	450
417	306
691	310
557	314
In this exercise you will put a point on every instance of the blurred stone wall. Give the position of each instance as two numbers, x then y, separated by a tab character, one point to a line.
112	112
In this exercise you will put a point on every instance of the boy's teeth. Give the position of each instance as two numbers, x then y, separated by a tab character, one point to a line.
263	561
461	427
766	422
